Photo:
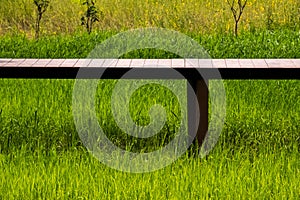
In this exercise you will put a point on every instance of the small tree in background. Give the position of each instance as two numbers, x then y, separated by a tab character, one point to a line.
41	7
237	11
90	16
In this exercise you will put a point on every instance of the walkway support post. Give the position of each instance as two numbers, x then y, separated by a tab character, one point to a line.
200	88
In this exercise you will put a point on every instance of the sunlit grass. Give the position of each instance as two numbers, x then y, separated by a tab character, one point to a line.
75	175
204	16
257	155
37	114
259	44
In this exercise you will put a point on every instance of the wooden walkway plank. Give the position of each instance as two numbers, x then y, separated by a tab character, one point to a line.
191	63
166	63
219	63
177	63
28	63
151	63
83	63
41	63
110	63
246	63
69	63
205	63
123	63
137	62
14	62
259	63
96	63
3	61
232	63
296	63
282	63
55	63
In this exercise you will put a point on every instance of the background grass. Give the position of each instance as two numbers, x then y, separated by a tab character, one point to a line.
205	16
283	43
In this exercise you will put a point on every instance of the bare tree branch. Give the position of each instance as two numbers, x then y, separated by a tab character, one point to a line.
237	11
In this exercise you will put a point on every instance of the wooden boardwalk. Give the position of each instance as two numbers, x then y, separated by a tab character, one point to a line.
116	68
190	69
155	63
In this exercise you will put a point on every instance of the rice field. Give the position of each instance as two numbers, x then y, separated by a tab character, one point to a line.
257	155
222	175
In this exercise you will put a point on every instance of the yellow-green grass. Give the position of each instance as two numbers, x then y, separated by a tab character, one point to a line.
41	155
73	175
205	16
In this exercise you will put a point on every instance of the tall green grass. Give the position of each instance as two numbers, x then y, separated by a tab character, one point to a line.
261	114
258	44
37	114
41	155
257	155
73	175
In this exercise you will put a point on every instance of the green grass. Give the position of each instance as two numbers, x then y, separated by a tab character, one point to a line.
222	175
257	155
38	113
282	43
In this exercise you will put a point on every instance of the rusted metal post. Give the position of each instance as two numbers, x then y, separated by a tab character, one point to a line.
200	88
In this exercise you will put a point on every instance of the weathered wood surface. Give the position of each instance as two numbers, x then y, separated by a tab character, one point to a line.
156	63
116	68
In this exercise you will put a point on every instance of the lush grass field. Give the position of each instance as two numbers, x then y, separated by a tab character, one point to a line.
205	16
259	113
283	43
257	155
73	175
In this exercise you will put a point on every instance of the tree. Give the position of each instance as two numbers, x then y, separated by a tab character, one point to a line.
90	16
41	7
237	11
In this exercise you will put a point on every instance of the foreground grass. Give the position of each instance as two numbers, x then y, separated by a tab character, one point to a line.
41	155
77	175
38	113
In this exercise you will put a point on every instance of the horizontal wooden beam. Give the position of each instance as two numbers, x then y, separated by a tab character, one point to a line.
196	69
153	63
